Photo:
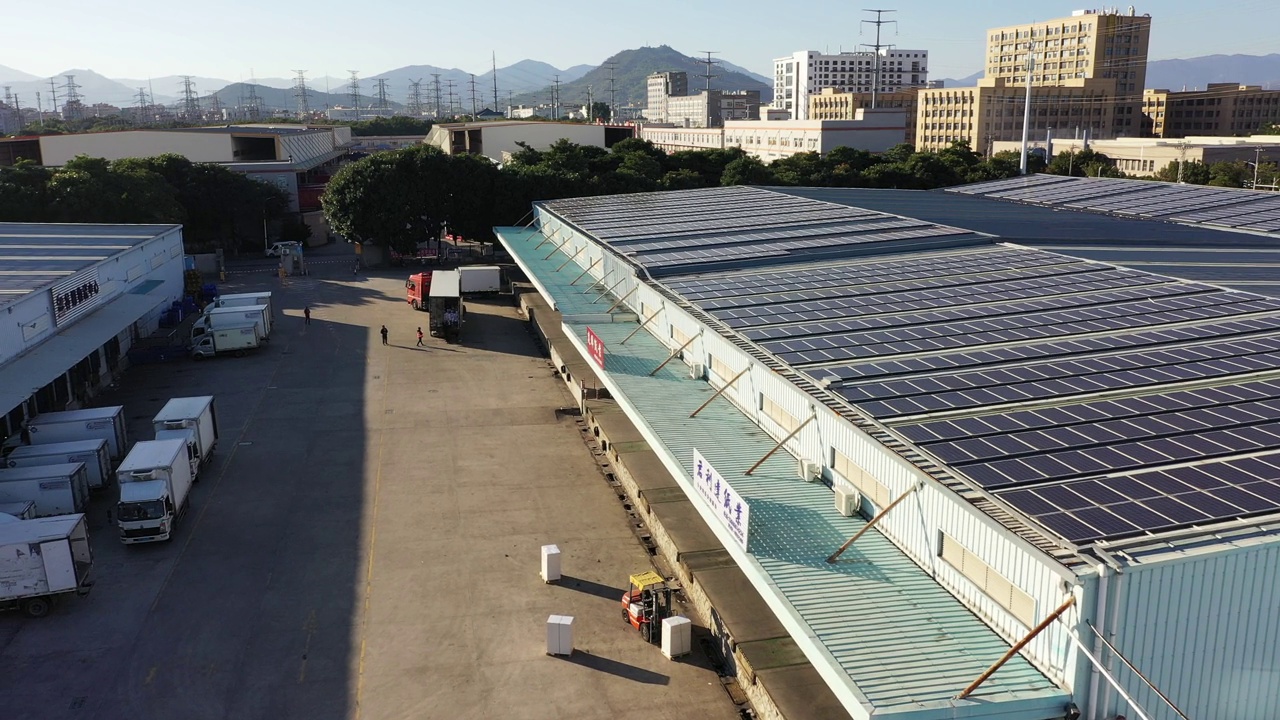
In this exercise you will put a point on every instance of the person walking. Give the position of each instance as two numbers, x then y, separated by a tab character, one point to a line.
306	314
420	337
384	334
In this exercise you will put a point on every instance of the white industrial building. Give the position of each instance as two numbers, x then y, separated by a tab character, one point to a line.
280	155
75	299
1061	457
807	72
769	140
499	139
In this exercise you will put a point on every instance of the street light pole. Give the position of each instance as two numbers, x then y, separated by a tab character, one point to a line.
1026	111
1257	160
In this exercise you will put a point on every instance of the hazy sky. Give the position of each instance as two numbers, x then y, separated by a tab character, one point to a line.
225	39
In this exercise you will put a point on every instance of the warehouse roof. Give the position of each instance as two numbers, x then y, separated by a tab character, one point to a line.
1101	404
35	256
911	664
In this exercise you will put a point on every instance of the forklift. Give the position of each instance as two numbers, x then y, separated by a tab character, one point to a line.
647	604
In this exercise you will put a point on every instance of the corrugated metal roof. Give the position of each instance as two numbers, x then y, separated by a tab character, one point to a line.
906	645
35	256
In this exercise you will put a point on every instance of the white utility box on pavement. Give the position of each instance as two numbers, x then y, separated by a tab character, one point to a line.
550	563
677	636
560	635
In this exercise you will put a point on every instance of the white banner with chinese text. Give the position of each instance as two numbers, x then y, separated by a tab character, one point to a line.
729	507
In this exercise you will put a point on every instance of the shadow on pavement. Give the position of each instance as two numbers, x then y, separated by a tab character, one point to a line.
590	588
620	669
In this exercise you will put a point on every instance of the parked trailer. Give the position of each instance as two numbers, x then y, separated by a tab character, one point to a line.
200	413
236	340
55	489
42	560
445	305
70	425
480	279
93	453
242	300
155	482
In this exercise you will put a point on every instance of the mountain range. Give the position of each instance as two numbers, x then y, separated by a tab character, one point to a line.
530	81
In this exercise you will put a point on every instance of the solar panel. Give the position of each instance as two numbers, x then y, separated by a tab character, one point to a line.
1114	507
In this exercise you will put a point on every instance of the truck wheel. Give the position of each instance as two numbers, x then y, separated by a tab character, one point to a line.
415	305
239	353
37	607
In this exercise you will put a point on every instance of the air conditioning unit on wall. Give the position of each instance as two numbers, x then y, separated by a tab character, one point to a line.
809	471
847	501
697	371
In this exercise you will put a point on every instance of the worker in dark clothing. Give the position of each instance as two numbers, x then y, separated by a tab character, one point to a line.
384	334
306	314
420	337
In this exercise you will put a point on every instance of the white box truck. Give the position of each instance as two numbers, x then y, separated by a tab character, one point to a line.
93	453
55	489
188	437
155	480
199	413
241	300
236	340
68	425
229	317
42	560
480	279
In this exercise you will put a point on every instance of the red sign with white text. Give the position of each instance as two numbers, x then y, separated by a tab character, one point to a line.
595	348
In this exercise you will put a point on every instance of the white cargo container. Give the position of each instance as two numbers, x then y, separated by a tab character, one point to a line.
24	510
198	413
42	560
155	481
242	300
55	489
93	453
70	425
480	279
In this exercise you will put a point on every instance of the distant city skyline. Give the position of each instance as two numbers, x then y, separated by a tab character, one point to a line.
235	40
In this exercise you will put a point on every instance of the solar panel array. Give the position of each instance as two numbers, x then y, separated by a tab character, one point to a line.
692	230
1029	372
1223	207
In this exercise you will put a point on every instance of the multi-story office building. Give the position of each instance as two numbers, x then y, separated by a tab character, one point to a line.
833	104
769	140
804	73
992	112
661	85
1219	109
1090	44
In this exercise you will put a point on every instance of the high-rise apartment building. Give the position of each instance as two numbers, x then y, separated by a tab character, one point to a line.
808	72
1220	109
1087	76
1088	45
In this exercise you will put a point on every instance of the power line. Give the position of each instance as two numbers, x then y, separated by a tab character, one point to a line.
353	92
435	82
875	89
415	98
555	99
474	109
709	63
612	111
495	82
190	99
53	94
384	105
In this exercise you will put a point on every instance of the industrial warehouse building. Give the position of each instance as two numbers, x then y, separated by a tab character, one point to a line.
1066	457
75	298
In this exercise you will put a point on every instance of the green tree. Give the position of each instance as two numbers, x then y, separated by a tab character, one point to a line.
682	179
1232	173
399	125
802	169
600	111
1193	173
24	192
1272	129
747	170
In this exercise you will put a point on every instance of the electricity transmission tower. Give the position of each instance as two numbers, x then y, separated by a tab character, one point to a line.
415	98
53	95
612	110
190	99
875	88
709	76
555	99
254	102
495	82
353	92
474	109
436	84
302	94
144	107
384	105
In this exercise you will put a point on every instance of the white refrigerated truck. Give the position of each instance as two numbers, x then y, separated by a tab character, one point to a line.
42	560
155	481
229	317
236	340
55	489
93	453
200	413
241	300
68	425
480	279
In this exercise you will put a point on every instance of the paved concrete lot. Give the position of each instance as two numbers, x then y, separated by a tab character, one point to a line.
365	543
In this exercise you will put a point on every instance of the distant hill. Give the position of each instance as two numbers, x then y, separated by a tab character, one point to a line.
632	67
570	74
94	88
739	69
1197	72
282	98
968	81
9	75
169	87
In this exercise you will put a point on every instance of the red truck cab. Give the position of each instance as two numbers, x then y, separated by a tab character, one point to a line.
418	289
